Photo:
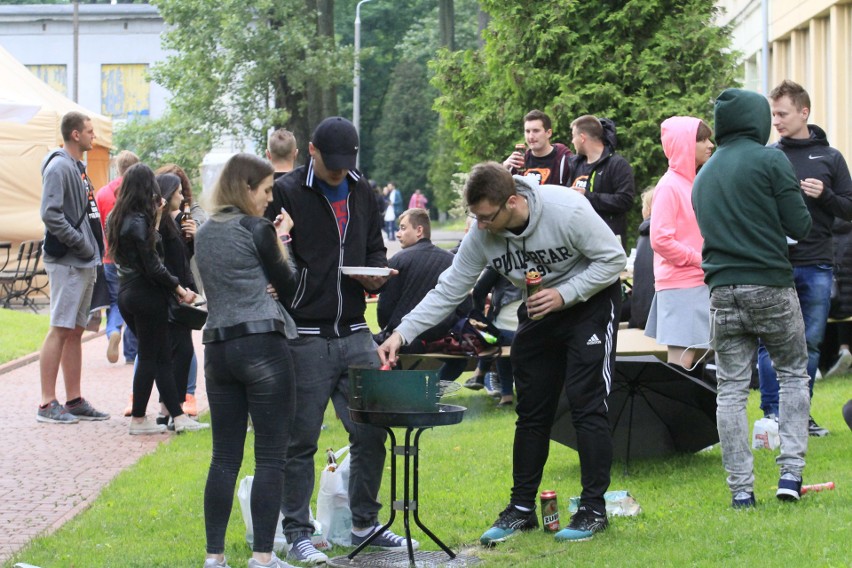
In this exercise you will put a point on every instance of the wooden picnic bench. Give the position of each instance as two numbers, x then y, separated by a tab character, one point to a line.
631	342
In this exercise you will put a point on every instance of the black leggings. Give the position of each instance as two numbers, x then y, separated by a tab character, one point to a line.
570	351
182	353
252	375
144	309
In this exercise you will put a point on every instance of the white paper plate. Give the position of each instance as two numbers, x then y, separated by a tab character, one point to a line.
365	271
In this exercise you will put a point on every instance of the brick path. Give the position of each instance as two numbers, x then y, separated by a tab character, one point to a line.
43	480
51	472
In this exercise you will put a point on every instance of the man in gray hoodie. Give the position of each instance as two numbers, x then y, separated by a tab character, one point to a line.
70	216
566	334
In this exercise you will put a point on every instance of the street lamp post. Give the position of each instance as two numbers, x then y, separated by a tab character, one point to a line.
356	91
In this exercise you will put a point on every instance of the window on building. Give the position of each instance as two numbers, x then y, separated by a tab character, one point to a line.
54	75
125	91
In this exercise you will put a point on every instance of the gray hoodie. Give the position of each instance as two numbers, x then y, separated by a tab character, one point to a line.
63	201
565	240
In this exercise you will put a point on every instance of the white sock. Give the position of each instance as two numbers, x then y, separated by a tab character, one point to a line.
524	509
364	532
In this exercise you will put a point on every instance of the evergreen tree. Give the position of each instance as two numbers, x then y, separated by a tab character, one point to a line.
636	62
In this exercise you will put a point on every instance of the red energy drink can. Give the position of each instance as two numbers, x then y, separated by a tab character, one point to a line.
533	286
522	150
549	511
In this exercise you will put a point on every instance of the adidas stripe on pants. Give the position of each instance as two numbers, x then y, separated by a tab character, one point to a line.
571	350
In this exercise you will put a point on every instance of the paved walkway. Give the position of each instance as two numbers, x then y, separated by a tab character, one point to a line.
51	472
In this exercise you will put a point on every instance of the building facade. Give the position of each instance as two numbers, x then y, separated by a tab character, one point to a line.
807	41
117	45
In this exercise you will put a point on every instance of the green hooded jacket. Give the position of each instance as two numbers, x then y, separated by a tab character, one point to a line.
747	199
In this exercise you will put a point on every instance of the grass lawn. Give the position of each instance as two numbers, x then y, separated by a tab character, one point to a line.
21	333
152	515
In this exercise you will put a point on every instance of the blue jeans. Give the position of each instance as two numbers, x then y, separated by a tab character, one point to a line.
114	321
742	314
322	374
813	287
504	365
249	375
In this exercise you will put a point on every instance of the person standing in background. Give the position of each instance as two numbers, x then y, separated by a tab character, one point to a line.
105	198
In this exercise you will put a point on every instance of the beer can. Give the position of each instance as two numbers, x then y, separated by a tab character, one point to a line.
533	279
522	149
549	511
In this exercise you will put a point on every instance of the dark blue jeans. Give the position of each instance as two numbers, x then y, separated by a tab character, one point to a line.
504	365
250	375
114	319
813	287
322	367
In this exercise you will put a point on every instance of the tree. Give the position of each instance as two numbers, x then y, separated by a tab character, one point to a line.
244	66
163	141
405	145
634	61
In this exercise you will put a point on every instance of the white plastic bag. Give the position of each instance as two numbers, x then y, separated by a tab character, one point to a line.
333	511
279	544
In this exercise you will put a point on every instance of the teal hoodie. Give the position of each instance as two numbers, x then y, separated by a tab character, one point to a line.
747	199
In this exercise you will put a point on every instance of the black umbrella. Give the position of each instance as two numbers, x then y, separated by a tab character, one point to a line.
654	410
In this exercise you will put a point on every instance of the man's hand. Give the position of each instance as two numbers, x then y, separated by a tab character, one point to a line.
389	350
812	187
372	283
515	160
580	190
543	302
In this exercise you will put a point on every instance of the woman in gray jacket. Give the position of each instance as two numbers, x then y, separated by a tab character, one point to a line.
247	362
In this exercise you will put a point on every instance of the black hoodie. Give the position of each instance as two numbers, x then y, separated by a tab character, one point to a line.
812	157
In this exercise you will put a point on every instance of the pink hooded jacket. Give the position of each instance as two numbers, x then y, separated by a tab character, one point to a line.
675	237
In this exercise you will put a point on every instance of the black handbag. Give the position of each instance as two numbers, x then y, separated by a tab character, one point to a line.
193	316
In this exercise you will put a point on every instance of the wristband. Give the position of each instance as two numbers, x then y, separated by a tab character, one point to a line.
285	238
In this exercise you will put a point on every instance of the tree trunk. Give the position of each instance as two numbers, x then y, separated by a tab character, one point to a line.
447	19
482	19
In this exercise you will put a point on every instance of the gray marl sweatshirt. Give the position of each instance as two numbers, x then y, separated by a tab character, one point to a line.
565	240
63	198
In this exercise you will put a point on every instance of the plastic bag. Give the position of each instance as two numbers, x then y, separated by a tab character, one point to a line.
279	544
333	511
618	504
765	434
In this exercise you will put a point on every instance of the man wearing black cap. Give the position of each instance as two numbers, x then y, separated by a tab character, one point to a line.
335	224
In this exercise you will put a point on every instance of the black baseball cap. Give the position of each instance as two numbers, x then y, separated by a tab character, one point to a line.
337	141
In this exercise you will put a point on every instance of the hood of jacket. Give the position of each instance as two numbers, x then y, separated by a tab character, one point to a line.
742	114
816	137
678	136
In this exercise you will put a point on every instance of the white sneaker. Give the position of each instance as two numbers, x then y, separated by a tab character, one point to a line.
146	427
184	423
841	367
274	563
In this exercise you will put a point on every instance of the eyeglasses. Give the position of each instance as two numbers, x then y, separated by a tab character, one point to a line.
490	219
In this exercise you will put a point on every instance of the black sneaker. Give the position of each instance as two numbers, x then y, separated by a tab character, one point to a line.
815	429
743	500
789	487
510	521
476	382
583	526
